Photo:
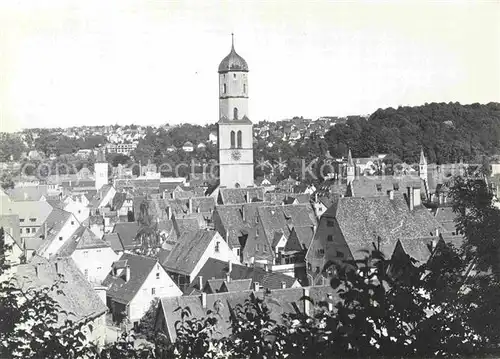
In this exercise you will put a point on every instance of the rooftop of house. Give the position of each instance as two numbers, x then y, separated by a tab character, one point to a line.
124	291
217	269
114	241
52	226
188	251
369	186
279	301
283	218
363	221
241	195
31	213
76	296
127	232
31	193
83	238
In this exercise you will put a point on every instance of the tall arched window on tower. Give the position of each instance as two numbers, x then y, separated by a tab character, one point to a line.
244	88
232	139
224	88
235	113
238	138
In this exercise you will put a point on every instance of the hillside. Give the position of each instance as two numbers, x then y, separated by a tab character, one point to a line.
447	132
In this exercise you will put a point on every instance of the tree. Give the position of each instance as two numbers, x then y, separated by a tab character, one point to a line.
148	234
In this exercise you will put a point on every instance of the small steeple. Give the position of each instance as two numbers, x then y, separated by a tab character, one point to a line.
350	162
232	41
423	160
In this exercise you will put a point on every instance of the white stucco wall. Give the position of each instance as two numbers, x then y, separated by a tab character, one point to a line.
62	236
224	254
94	263
164	287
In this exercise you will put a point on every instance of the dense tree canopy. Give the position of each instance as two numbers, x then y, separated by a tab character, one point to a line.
447	132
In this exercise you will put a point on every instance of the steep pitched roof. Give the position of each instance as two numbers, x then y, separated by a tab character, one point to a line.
140	267
282	218
188	251
32	193
127	231
113	239
364	220
54	223
77	298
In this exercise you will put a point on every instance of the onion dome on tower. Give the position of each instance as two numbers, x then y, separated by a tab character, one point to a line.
233	61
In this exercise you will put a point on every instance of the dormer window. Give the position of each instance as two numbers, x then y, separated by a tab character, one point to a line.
379	187
396	186
33	219
21	220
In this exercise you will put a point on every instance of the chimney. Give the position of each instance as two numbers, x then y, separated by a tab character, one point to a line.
256	286
36	270
330	302
307	304
230	266
203	300
45	231
283	285
127	273
248	197
436	232
266	267
391	194
410	194
190	205
56	264
228	277
200	282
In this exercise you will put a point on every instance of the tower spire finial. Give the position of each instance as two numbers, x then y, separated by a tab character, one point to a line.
232	41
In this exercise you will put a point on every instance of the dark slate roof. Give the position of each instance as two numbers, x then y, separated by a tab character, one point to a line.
241	195
304	235
279	301
183	225
202	204
114	241
217	269
233	62
188	251
368	186
140	267
77	298
282	218
236	285
363	220
118	200
127	231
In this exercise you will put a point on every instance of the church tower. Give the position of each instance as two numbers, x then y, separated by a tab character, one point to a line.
235	128
101	170
422	166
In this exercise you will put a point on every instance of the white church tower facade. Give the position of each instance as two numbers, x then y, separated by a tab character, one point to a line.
235	136
101	171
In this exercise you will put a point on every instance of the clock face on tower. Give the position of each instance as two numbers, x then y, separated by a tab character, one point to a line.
236	155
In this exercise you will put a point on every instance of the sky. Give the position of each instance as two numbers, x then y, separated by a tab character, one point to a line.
151	62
